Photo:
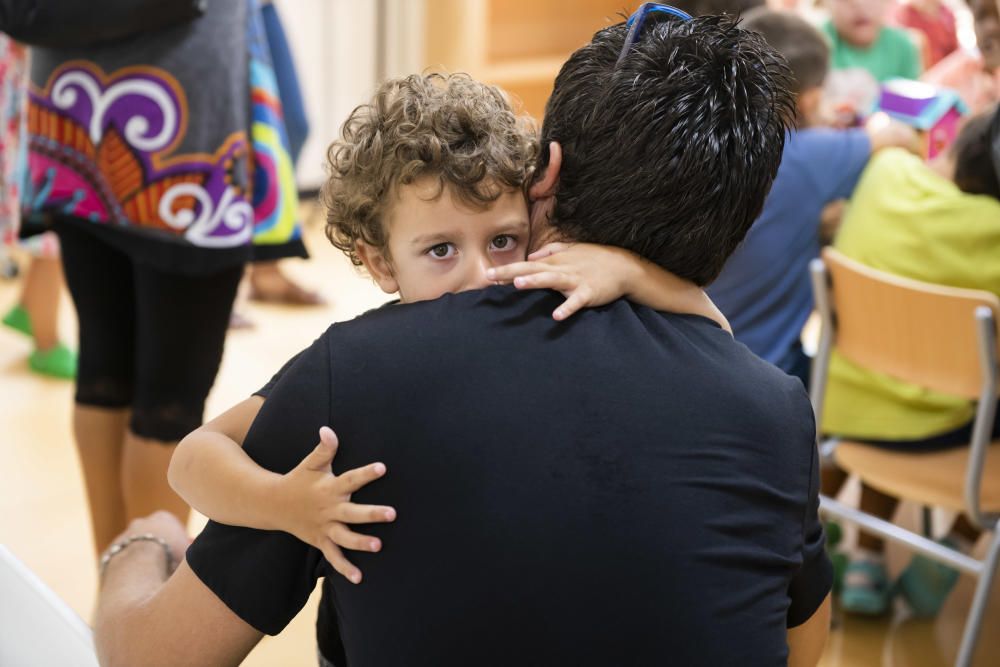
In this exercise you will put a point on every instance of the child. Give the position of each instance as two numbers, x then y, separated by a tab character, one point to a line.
859	39
36	314
938	223
935	22
426	193
764	288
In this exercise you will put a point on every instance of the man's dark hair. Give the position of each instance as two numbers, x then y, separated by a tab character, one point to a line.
975	171
671	153
803	46
734	8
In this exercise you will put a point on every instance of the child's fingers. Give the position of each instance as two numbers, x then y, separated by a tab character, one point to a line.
328	437
577	300
548	250
322	454
335	557
556	280
354	513
342	536
508	272
352	480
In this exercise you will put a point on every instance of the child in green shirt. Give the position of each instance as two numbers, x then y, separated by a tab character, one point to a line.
860	39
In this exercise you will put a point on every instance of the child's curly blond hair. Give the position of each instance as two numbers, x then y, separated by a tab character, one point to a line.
449	127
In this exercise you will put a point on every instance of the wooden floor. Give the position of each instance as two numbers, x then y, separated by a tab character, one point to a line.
43	516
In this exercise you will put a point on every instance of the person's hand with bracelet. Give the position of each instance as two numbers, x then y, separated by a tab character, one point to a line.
157	541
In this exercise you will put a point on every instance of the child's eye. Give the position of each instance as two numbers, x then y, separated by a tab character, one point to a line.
504	243
442	251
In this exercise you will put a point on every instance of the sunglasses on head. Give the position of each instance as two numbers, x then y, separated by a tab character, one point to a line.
637	21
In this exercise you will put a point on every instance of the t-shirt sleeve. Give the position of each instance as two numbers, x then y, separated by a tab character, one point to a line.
814	578
265	391
265	577
839	157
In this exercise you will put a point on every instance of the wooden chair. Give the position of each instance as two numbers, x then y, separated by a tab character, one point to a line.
942	338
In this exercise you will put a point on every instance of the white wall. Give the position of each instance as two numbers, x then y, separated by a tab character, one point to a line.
334	45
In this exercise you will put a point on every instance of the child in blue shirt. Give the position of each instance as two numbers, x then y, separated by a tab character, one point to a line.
764	289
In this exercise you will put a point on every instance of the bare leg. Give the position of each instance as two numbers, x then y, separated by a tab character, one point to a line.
268	283
883	506
144	478
99	435
40	297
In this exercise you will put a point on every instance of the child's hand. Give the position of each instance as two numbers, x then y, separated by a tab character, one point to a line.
587	275
316	505
885	132
593	275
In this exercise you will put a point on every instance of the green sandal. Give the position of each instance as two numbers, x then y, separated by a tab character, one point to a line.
18	320
866	589
925	584
59	362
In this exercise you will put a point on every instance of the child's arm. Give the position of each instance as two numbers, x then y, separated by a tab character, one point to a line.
592	275
212	473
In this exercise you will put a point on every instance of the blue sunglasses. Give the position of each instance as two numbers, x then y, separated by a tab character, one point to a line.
638	20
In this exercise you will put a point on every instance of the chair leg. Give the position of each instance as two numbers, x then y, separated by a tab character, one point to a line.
975	619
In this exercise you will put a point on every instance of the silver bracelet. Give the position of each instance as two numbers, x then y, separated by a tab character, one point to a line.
121	545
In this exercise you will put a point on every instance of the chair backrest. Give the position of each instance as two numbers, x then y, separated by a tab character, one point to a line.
920	333
36	626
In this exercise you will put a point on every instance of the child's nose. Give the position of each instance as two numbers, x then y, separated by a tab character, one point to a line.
477	273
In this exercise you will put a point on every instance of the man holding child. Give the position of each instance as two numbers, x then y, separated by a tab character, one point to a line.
626	487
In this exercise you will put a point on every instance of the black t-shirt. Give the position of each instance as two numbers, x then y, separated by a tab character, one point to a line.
627	487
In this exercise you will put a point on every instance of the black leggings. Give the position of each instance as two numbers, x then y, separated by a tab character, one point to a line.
149	340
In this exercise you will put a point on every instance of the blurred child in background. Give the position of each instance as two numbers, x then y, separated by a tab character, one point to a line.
859	38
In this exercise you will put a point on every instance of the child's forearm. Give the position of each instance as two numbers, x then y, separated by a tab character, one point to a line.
652	286
213	474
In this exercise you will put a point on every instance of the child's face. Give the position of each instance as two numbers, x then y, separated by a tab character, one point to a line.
441	245
858	22
987	21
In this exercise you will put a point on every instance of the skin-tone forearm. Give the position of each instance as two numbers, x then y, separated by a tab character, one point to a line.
216	477
147	618
213	474
131	579
806	642
591	275
651	286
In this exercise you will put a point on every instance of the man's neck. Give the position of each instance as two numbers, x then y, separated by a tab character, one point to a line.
542	231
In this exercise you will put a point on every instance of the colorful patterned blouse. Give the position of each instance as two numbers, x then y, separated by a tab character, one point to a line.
170	144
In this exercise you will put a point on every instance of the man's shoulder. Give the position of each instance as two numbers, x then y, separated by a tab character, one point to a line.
449	314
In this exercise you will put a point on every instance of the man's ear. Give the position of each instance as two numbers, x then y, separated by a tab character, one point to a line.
545	185
378	267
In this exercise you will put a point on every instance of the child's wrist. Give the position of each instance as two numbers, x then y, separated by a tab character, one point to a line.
633	274
272	501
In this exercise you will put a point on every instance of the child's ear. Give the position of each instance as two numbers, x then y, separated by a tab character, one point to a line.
378	267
